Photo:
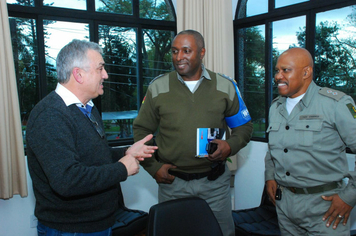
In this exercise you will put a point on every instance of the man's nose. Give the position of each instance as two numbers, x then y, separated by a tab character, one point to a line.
179	56
278	74
105	74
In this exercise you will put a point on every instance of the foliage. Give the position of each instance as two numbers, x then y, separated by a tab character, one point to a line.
335	64
254	74
334	57
23	37
119	44
117	6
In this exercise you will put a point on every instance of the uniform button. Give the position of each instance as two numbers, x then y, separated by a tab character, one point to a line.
285	150
307	126
287	173
287	127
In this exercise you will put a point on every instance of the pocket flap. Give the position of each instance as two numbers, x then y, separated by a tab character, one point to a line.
273	127
309	125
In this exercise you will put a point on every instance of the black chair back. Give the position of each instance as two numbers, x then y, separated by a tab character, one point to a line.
182	217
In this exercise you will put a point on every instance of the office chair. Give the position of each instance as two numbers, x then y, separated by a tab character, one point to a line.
256	221
182	217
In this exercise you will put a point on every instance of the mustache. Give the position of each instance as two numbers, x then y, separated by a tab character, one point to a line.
277	81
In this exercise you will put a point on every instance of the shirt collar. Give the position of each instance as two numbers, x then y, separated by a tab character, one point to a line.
204	75
308	95
69	98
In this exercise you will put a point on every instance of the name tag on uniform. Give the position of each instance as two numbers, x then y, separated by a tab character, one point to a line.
311	117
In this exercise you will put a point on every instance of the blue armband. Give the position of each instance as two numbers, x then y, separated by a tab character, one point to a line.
242	116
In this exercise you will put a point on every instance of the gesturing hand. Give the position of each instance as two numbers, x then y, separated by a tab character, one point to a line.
131	163
141	151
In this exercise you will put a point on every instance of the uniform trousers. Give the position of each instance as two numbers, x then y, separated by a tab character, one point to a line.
302	214
216	193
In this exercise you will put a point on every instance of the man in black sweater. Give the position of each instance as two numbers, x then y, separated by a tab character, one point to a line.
76	176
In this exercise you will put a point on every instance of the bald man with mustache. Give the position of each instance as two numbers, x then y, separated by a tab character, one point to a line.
307	175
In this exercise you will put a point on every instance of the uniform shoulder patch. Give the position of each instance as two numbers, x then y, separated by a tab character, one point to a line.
227	77
276	99
161	75
331	93
352	109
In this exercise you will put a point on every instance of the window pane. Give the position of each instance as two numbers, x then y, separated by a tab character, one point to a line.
156	10
57	35
74	4
114	6
283	3
157	58
23	37
248	8
285	33
29	3
335	50
252	74
119	102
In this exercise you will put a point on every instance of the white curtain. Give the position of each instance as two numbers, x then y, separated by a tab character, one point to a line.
214	20
12	158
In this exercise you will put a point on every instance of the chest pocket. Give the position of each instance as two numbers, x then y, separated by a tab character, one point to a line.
273	137
308	132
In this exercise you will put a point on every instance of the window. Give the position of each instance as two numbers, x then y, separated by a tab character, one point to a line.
335	49
135	36
283	3
326	29
75	4
252	73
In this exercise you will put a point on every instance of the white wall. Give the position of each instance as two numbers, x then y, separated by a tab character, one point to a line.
16	213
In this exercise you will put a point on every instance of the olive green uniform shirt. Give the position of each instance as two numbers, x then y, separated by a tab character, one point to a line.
172	109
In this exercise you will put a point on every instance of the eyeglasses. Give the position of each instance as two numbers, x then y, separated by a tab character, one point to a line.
98	128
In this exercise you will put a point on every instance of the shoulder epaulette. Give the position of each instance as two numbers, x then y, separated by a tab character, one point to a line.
331	93
156	78
227	77
276	99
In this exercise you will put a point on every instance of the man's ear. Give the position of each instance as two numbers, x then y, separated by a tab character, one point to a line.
202	53
77	73
308	72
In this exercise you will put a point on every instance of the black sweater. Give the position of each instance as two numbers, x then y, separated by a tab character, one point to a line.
74	173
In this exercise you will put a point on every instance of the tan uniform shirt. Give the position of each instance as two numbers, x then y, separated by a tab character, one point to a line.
307	147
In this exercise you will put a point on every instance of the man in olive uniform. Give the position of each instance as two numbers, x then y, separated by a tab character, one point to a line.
177	104
306	162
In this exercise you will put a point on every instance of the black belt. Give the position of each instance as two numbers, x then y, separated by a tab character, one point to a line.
189	176
316	189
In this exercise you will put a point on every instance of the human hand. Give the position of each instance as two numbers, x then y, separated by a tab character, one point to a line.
131	163
141	151
338	211
222	152
271	187
162	175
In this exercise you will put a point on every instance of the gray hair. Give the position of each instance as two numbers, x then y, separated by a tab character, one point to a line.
199	39
74	54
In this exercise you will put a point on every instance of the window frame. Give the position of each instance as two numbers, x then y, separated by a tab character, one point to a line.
90	16
308	9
